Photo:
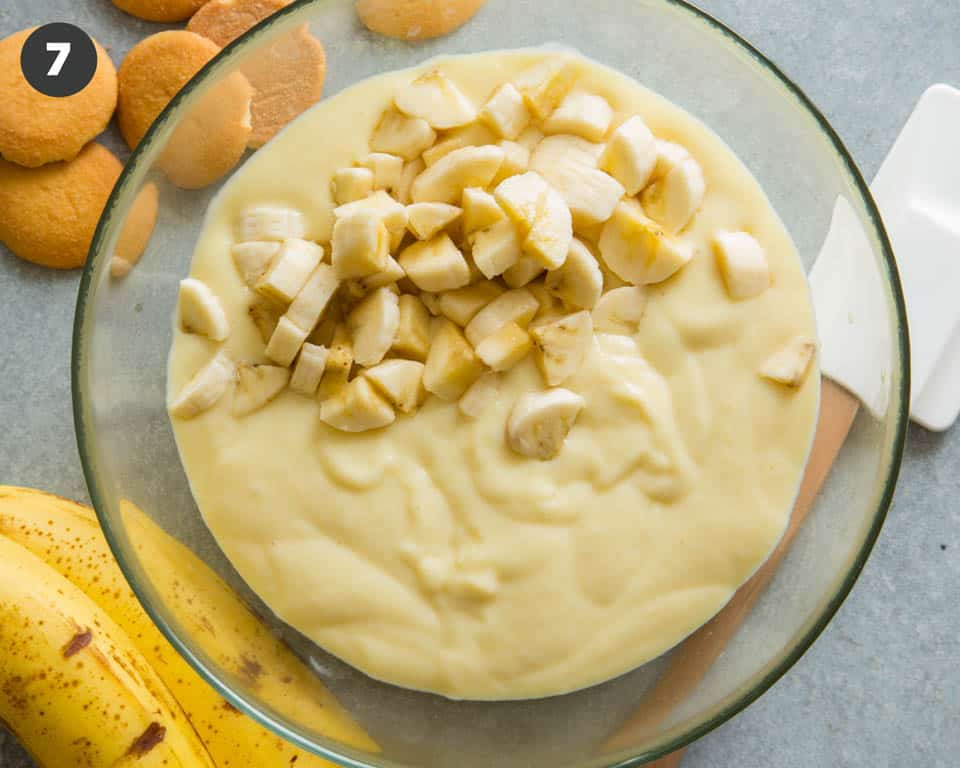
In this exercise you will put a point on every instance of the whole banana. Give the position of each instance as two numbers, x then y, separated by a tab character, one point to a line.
73	687
67	536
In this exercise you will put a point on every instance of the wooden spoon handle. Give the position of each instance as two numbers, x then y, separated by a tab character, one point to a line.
691	661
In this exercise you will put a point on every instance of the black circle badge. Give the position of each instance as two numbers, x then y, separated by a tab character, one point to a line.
59	59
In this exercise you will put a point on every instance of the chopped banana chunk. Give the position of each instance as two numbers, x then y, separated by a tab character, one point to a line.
309	369
669	156
742	263
285	342
496	248
548	240
265	314
290	269
400	381
521	273
435	98
386	168
451	365
442	149
200	311
399	134
631	155
516	306
205	388
562	345
313	298
505	347
360	245
435	265
389	275
373	326
539	422
481	395
445	180
506	112
339	362
516	159
391	213
544	85
550	306
413	330
520	196
637	249
789	365
410	172
431	301
675	198
253	259
463	304
270	222
425	220
620	311
480	209
581	114
579	282
351	184
357	407
257	385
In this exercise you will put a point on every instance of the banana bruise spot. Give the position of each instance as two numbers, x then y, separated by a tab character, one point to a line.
77	643
147	740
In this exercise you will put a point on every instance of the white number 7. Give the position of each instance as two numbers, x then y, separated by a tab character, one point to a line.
62	50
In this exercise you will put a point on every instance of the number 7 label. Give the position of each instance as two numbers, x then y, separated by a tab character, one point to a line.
63	51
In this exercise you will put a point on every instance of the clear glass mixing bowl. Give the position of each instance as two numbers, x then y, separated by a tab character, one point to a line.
123	334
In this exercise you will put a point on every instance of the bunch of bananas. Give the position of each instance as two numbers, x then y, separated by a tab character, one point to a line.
87	680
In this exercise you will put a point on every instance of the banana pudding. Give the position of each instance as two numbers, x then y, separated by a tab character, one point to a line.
495	378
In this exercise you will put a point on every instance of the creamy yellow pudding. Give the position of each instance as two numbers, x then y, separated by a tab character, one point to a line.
481	534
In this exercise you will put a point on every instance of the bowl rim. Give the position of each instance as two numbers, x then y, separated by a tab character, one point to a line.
97	257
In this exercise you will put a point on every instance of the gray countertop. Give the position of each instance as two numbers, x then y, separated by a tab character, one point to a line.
881	687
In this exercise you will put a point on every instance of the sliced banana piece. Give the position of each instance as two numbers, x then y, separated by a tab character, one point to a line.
742	263
351	184
521	273
386	168
205	388
399	134
548	241
539	422
336	373
496	248
391	213
309	369
673	199
516	306
631	155
431	301
425	220
313	298
265	314
551	307
505	347
290	269
357	407
480	210
638	249
400	381
410	172
435	98
481	395
413	329
561	346
506	112
442	149
253	259
579	282
516	159
389	275
445	180
789	365
544	84
257	385
200	311
285	342
435	265
582	114
360	245
270	222
620	311
451	365
463	304
373	326
520	197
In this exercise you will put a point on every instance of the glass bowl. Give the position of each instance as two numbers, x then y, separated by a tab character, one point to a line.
123	334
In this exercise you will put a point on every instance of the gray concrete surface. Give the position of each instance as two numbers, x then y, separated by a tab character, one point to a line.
881	687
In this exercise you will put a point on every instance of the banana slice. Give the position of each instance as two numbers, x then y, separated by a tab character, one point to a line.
463	304
516	159
548	241
391	213
285	342
582	114
620	311
389	275
742	263
373	326
200	311
569	164
480	210
205	388
265	315
253	259
360	245
451	365
789	365
539	422
413	329
435	265
506	112
631	155
481	395
313	298
290	269
637	249
521	273
673	199
579	282
410	172
496	248
270	222
399	134
520	197
544	85
445	180
257	385
561	346
358	407
442	149
309	369
431	301
435	98
425	220
400	381
351	184
516	306
336	373
505	347
386	169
